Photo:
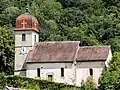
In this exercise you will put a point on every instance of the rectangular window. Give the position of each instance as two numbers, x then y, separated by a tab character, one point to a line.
35	38
91	71
38	72
62	72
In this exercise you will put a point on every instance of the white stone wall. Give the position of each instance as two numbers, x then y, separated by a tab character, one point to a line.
82	71
18	38
33	38
20	58
48	68
29	38
109	58
28	44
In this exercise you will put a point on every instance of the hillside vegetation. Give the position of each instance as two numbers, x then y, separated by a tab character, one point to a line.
93	22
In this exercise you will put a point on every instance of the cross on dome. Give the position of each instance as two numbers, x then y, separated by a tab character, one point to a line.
23	23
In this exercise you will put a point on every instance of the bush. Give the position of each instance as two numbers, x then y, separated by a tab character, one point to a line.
110	78
89	84
2	80
35	84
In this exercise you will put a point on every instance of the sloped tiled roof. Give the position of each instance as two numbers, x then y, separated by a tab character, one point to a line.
66	51
53	51
93	53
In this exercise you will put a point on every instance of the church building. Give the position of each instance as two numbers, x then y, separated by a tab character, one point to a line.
64	62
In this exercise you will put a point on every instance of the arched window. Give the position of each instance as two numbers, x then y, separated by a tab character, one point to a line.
23	37
91	71
38	72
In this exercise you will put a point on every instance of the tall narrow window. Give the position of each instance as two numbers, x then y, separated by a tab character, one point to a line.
23	37
35	38
38	72
62	72
91	71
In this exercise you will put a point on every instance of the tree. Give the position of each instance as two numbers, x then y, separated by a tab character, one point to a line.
6	51
110	78
112	2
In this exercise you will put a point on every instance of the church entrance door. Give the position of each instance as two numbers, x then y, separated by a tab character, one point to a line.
50	77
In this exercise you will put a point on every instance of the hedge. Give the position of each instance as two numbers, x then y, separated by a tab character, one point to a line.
30	83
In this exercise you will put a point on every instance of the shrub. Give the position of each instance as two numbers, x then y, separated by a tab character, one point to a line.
89	84
35	84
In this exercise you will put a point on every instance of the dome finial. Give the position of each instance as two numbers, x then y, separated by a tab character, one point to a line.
27	9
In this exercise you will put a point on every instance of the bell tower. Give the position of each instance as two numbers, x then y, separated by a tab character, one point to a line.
26	34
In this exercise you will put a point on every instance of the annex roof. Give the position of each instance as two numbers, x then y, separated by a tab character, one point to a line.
93	53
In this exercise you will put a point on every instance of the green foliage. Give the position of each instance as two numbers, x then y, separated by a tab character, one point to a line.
89	84
6	51
35	84
93	22
110	79
112	2
2	80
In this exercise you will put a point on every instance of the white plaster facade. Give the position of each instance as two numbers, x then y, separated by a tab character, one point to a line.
54	69
28	44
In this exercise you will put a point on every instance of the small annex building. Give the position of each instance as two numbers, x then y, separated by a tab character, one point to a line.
64	62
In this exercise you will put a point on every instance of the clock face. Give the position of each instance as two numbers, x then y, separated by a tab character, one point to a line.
23	50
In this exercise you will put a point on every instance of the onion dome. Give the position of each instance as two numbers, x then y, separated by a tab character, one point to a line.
27	22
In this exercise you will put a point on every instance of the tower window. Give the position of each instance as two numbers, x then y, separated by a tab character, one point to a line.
62	72
23	37
91	71
35	38
38	72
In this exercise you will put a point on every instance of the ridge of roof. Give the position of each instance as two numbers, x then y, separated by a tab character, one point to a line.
58	42
95	46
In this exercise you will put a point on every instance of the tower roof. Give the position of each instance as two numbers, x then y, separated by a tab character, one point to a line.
27	22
